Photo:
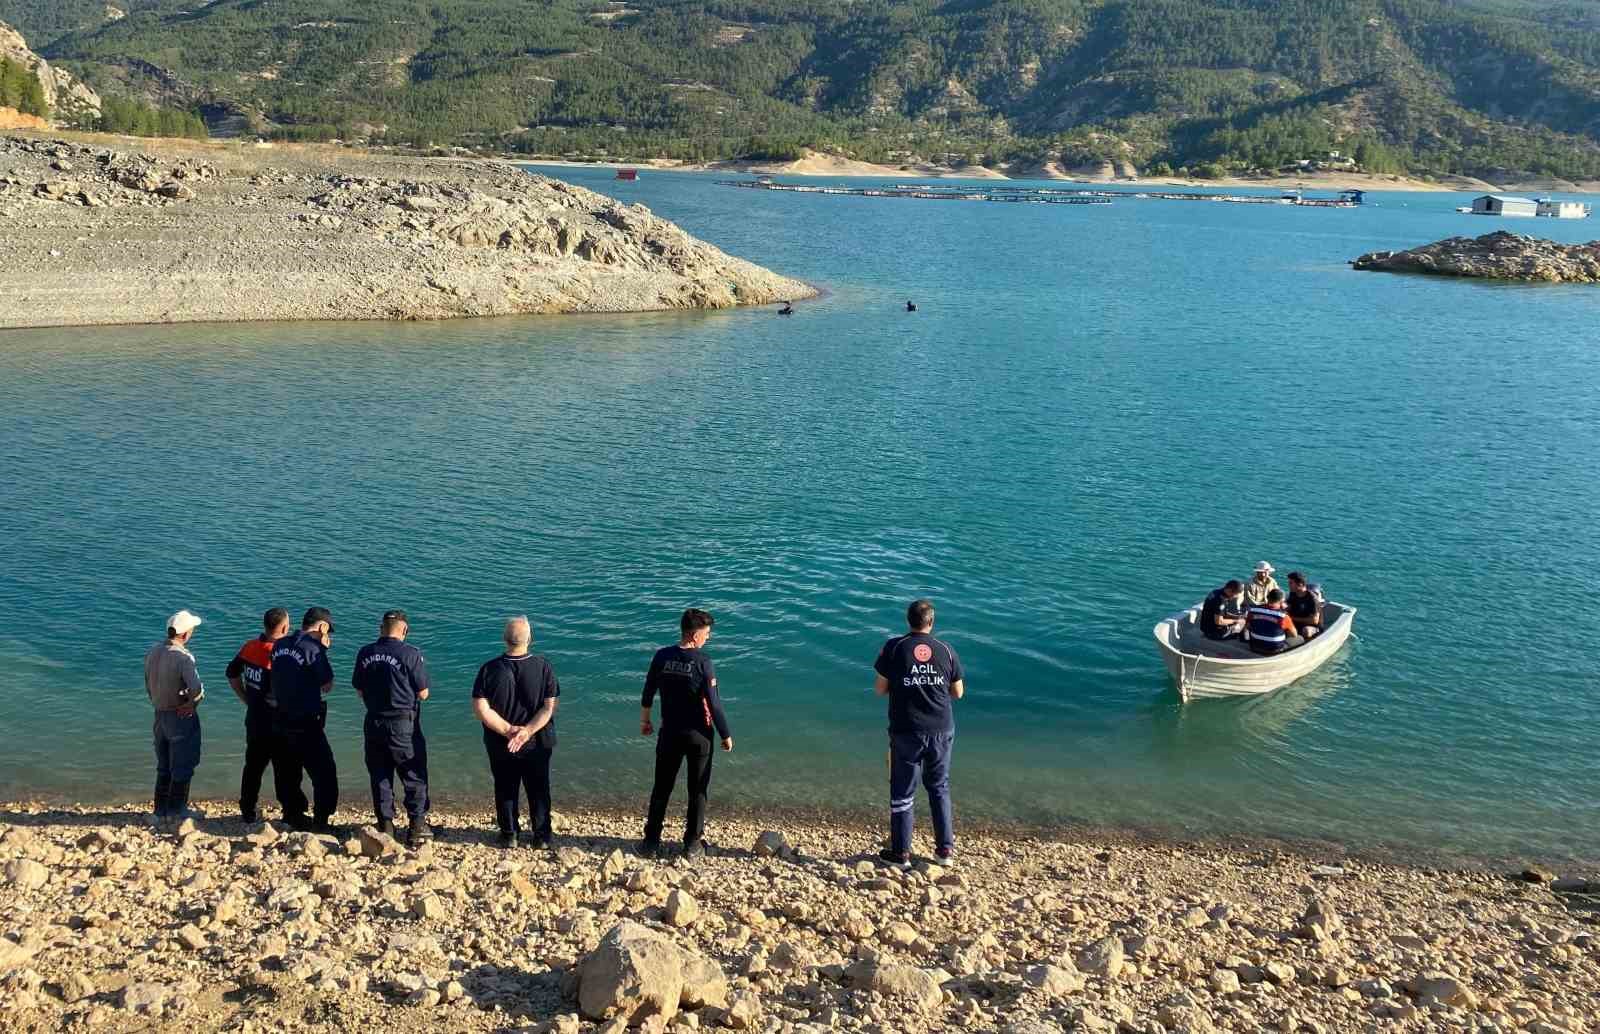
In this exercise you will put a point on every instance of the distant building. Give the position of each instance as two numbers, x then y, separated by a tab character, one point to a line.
1563	209
1499	204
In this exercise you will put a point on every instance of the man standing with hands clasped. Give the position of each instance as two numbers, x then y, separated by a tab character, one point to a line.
690	710
515	697
391	677
921	676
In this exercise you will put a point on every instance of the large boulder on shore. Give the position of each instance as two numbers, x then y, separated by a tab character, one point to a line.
634	973
1501	255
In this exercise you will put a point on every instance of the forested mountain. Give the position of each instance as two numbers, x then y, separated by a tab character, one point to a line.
1484	87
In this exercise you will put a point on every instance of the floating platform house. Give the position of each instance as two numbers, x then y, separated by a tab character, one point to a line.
1551	209
1500	204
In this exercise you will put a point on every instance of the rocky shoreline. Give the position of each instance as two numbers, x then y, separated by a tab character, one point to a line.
183	232
788	927
1501	255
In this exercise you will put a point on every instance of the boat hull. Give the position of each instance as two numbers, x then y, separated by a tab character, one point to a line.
1201	675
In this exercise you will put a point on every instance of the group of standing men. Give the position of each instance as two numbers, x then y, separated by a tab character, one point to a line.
284	680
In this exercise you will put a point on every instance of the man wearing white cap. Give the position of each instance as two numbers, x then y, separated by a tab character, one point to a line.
1260	586
173	683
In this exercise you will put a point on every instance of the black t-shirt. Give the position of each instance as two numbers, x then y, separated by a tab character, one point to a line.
300	669
1210	611
688	686
920	670
516	687
389	674
1303	606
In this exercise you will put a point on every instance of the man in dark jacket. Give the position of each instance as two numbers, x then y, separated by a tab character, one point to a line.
691	711
250	675
922	677
391	677
515	697
301	678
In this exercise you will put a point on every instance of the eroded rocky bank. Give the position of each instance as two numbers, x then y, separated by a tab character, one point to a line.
106	925
176	232
1501	255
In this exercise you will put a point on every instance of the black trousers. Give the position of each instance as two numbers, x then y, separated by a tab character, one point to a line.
258	750
514	774
673	751
301	746
393	745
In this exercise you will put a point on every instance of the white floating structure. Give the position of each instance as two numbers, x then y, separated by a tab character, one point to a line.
1500	204
1552	209
1205	668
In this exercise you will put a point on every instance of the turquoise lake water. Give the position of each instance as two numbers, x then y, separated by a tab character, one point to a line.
1097	415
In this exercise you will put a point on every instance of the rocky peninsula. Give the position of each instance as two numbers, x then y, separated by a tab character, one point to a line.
793	928
1501	255
179	232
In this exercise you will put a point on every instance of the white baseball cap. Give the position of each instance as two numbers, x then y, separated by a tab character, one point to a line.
183	621
1263	566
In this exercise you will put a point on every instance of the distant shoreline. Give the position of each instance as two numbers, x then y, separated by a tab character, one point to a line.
831	167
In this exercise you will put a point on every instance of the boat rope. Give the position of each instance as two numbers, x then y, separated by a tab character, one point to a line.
1186	675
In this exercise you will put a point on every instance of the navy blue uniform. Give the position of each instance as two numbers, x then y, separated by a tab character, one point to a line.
690	710
922	727
252	666
389	674
516	688
300	668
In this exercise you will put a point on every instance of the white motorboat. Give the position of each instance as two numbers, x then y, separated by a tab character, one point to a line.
1205	668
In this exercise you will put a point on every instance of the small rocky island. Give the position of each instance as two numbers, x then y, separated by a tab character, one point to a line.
181	232
1501	255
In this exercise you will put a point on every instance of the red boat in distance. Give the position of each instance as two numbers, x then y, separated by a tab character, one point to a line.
628	174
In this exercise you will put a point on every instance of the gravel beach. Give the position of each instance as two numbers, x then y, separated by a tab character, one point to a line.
170	231
107	925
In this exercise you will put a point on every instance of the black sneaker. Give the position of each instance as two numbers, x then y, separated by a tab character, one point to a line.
297	823
249	818
386	827
900	860
649	848
418	834
945	857
539	844
506	840
325	828
695	851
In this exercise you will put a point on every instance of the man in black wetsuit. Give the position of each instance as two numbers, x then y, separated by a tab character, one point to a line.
691	712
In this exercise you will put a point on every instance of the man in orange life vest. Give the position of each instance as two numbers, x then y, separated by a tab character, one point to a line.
249	675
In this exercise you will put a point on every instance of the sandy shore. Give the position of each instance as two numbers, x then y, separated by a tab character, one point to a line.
791	927
171	231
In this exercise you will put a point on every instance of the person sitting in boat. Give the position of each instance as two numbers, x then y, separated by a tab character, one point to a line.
1260	585
1222	615
1305	608
911	306
787	310
1268	628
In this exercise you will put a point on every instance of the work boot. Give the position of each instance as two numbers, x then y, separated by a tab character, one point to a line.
386	827
418	833
323	826
162	804
694	850
506	839
178	805
649	848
